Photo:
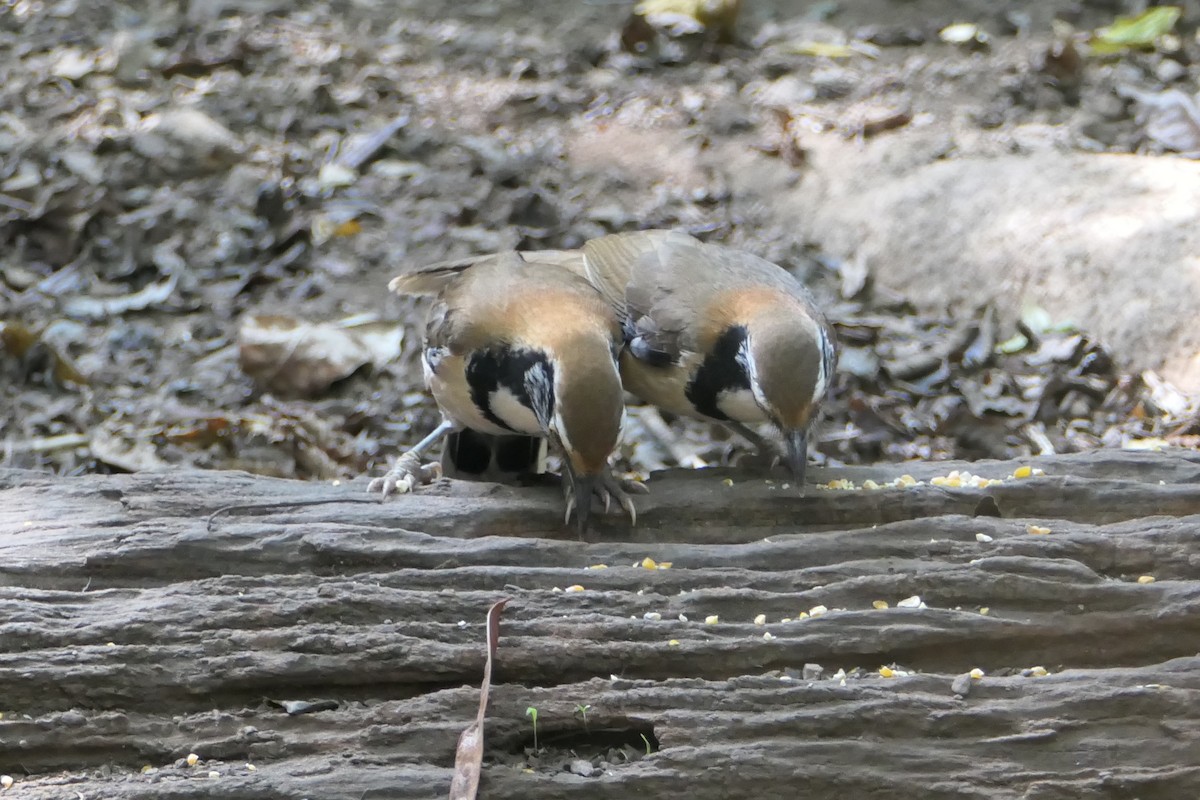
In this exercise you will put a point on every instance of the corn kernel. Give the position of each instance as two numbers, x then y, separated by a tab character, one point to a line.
1146	579
575	588
598	566
649	563
712	619
817	611
672	643
768	636
6	781
192	759
984	610
1023	472
976	674
1036	529
887	672
1038	672
881	604
761	619
870	484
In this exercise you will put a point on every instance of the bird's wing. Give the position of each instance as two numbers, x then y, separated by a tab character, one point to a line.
637	273
466	289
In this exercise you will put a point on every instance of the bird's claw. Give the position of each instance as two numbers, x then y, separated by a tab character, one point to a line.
405	475
607	489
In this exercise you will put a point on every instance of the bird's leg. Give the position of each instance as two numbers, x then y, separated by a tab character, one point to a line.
768	453
408	472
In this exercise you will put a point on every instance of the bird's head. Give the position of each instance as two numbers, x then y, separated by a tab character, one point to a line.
585	407
790	358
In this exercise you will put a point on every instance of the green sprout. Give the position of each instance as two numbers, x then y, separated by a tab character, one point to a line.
532	712
647	741
582	710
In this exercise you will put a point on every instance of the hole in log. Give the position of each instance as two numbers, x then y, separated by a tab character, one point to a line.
614	743
987	508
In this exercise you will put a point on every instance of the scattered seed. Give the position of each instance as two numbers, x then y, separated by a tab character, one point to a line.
817	611
983	537
870	484
214	774
712	619
665	564
976	674
728	481
251	768
111	644
683	618
802	615
786	619
672	643
6	781
1036	672
911	602
906	480
984	610
652	616
192	759
1036	529
1145	579
761	619
598	566
649	563
1023	472
768	635
887	672
880	604
147	769
575	588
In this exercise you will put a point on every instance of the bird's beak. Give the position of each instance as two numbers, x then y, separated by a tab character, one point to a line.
585	486
797	454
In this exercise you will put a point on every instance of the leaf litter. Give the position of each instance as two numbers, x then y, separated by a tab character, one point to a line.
174	185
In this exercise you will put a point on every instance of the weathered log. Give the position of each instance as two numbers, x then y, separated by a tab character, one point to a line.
134	632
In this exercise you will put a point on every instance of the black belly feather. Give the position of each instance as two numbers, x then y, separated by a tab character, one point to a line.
723	370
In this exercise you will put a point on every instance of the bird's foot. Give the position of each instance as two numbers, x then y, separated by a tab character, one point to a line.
405	475
606	489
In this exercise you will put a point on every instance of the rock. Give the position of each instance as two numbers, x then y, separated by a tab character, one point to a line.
812	672
961	685
582	767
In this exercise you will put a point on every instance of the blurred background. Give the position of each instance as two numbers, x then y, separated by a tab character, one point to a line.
201	204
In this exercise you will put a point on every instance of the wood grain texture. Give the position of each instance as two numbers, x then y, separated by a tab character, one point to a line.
132	635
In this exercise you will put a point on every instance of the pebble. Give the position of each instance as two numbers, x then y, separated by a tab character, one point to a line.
812	672
582	767
962	684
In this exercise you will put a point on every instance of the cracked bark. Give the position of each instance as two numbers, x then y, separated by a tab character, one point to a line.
131	635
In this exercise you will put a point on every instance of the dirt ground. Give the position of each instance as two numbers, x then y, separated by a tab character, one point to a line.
169	175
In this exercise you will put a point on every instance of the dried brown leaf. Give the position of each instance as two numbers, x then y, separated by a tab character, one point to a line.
468	756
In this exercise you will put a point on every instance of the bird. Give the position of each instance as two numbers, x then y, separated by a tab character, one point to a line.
712	332
515	349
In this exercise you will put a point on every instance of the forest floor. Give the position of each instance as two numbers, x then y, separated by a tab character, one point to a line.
200	210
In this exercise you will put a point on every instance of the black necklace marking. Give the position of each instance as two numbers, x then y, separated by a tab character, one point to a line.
527	374
723	370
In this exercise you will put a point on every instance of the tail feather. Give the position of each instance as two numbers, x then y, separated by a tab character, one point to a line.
433	278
